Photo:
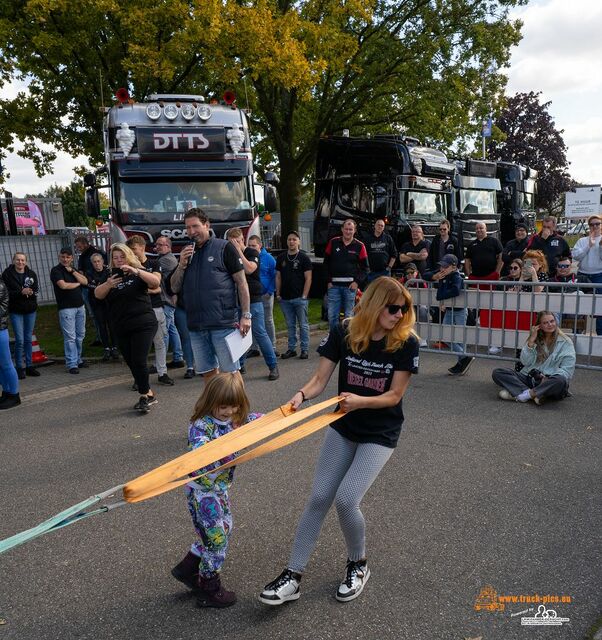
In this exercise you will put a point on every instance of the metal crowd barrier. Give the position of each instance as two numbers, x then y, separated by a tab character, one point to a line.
500	318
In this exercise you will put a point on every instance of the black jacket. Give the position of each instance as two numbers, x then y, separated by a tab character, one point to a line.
3	306
453	246
18	303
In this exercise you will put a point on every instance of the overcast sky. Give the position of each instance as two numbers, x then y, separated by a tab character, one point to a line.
559	55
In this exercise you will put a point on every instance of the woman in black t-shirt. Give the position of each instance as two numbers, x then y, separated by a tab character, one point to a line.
132	316
377	351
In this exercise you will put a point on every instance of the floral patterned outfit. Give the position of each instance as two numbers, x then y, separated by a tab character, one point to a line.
208	500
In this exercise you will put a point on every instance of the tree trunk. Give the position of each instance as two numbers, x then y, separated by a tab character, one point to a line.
289	191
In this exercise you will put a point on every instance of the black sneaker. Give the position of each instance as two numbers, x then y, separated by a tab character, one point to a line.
21	374
461	367
253	353
357	574
165	379
289	353
142	405
281	590
151	400
152	369
304	355
274	374
32	371
74	370
83	365
176	364
189	374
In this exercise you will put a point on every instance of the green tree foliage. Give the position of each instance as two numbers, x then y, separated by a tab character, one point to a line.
307	68
529	137
73	199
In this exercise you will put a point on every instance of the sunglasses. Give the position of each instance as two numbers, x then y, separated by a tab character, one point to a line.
396	308
594	224
514	268
563	266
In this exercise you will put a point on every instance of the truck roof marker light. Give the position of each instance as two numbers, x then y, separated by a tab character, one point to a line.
204	112
229	97
153	111
122	95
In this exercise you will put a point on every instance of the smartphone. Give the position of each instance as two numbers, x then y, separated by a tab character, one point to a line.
115	271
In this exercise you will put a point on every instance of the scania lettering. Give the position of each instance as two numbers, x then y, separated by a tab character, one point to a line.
173	153
389	177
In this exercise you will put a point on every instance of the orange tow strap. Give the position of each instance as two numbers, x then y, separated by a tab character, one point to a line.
175	473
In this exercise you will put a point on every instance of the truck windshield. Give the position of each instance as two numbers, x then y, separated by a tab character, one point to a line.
526	200
366	197
156	202
477	201
422	205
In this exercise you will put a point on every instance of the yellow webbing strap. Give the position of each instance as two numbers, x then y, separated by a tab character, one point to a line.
175	473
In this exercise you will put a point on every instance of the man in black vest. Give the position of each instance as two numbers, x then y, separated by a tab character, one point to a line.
211	276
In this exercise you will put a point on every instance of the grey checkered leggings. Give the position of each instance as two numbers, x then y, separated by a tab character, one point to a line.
344	472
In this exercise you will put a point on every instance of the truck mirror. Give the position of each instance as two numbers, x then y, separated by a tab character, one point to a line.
92	203
89	180
270	197
271	178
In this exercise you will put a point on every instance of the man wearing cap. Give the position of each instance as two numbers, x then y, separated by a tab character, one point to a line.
588	251
449	284
515	248
553	245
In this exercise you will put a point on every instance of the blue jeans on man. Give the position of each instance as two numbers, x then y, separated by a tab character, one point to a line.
295	312
211	350
181	325
173	336
456	316
260	335
340	297
23	329
73	326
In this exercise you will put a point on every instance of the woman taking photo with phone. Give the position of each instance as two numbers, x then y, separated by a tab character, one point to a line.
377	352
132	315
548	360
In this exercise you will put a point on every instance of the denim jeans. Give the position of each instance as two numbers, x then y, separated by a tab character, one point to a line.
340	298
172	336
8	376
211	350
180	319
597	279
260	335
377	274
456	317
295	311
23	328
159	342
73	326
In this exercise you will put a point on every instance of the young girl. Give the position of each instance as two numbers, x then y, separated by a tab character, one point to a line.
223	406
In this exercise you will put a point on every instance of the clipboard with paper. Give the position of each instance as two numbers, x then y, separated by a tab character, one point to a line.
238	344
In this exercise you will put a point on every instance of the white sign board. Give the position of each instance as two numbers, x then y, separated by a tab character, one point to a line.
583	202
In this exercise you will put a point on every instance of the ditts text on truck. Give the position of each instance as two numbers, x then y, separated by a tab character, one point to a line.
169	154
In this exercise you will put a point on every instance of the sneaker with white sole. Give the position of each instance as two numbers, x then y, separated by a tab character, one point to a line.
494	351
284	588
357	574
504	394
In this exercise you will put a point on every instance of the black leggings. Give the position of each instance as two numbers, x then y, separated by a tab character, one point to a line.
135	346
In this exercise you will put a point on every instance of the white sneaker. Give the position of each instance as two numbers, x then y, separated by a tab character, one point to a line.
494	351
504	394
284	588
357	574
525	396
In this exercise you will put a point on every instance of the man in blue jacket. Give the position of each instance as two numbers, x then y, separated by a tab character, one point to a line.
449	285
267	275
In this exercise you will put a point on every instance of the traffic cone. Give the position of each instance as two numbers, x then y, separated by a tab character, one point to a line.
37	355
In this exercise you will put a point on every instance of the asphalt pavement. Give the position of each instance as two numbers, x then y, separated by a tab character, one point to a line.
479	492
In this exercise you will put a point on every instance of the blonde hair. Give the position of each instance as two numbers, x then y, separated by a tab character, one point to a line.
540	256
541	348
233	232
130	258
380	292
224	389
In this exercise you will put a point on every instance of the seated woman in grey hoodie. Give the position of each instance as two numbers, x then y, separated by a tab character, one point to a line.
549	364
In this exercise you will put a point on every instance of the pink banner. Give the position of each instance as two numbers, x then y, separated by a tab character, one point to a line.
36	214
